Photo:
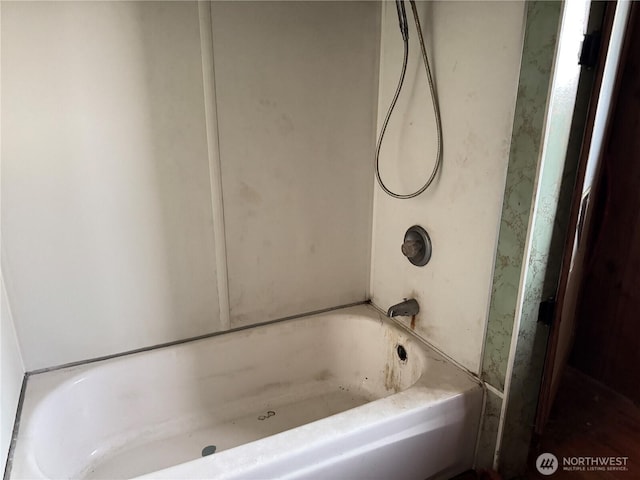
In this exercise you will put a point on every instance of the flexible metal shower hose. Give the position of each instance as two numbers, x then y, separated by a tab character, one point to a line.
436	110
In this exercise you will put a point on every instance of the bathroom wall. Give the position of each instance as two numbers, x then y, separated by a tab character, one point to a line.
475	49
113	168
11	374
106	204
296	84
536	72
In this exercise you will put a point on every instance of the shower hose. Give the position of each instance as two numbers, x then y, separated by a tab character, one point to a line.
404	29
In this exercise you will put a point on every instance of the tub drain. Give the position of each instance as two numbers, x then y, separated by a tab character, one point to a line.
402	353
208	450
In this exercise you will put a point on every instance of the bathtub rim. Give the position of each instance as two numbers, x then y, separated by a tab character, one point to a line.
403	326
275	455
173	343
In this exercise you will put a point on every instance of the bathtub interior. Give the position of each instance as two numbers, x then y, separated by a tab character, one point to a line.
132	415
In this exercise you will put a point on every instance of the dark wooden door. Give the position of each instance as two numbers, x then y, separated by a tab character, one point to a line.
607	340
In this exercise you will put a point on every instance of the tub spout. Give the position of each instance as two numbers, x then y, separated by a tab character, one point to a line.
407	308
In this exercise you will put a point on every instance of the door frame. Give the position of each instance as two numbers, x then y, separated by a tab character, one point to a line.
575	246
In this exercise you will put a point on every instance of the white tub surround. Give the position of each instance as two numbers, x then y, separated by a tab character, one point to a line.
197	165
107	238
475	49
323	396
296	84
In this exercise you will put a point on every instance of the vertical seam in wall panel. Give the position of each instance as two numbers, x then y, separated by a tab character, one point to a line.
374	194
372	203
215	169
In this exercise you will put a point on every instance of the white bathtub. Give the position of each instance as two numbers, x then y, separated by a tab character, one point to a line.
324	396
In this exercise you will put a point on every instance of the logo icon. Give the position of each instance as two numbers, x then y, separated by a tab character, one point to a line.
547	463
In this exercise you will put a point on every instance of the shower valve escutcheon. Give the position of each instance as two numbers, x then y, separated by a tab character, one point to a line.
417	246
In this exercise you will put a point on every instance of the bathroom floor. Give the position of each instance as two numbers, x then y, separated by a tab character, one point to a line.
589	419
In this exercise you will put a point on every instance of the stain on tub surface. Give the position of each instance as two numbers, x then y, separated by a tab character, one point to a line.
391	378
269	414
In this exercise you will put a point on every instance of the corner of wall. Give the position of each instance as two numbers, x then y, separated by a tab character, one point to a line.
12	373
12	370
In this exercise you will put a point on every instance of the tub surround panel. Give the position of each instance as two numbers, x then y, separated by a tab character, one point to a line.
11	374
106	205
109	215
296	84
461	211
